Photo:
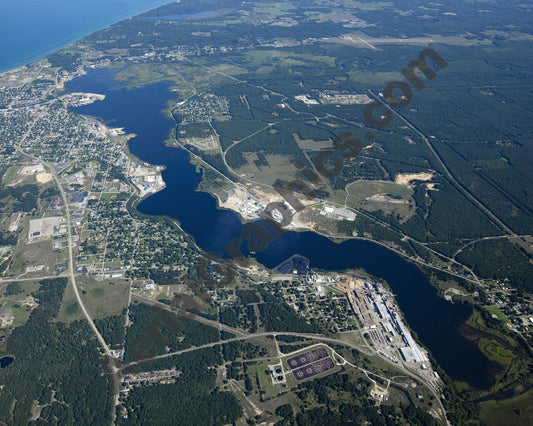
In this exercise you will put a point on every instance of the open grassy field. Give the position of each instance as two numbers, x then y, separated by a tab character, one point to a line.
103	298
100	298
37	255
379	195
70	310
281	167
286	59
20	312
373	78
10	175
108	196
141	74
312	217
265	380
493	310
273	10
360	190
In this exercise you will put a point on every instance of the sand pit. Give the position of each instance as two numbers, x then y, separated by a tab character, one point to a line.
43	177
407	178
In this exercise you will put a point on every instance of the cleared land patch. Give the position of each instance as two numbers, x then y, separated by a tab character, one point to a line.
378	195
407	178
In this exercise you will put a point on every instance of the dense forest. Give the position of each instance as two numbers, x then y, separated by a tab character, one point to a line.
57	365
19	198
500	259
154	329
8	238
112	328
192	400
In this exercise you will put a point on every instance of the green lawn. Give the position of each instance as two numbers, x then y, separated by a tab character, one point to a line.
108	195
264	378
493	310
10	175
362	189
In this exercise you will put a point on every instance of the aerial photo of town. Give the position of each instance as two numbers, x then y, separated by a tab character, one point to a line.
227	212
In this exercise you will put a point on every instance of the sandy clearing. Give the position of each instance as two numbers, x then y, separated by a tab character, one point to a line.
407	178
43	177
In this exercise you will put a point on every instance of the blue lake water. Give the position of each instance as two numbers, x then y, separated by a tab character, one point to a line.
31	29
139	111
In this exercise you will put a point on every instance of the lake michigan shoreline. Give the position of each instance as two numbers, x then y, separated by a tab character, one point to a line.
14	62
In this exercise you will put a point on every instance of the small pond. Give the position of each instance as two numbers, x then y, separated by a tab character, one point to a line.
6	360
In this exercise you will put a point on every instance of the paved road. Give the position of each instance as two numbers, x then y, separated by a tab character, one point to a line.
72	275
